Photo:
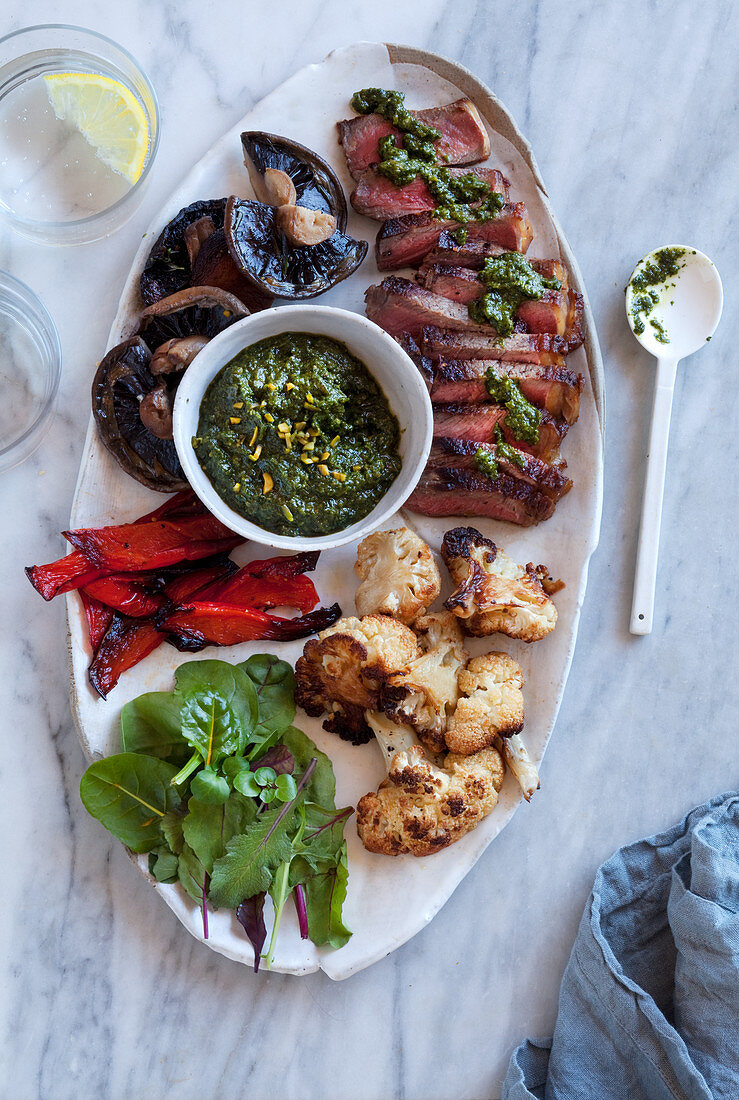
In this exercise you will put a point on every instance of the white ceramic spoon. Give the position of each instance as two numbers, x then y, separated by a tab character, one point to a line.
689	310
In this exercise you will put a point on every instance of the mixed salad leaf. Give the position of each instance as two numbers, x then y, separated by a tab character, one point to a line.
229	799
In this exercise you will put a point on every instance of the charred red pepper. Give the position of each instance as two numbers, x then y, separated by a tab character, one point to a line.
98	617
290	566
126	642
153	545
63	575
217	624
244	590
124	595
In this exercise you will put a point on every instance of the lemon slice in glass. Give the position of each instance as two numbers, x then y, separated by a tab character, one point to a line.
107	114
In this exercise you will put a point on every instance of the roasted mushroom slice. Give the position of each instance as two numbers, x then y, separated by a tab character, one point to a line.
316	185
196	311
121	384
215	266
167	269
266	257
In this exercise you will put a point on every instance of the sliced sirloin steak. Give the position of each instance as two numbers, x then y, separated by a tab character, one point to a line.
522	347
452	491
460	453
554	388
546	314
463	140
473	253
377	197
477	423
404	241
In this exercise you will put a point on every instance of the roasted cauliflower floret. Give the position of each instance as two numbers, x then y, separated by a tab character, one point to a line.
494	594
399	576
341	671
421	808
425	694
490	703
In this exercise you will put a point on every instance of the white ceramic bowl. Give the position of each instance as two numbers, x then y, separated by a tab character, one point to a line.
395	372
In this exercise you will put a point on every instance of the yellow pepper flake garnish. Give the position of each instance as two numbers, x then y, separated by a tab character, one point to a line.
282	427
314	432
271	386
287	513
227	313
323	469
268	484
288	444
235	419
356	467
300	425
253	439
290	386
335	440
256	453
237	486
324	456
269	418
306	459
309	446
238	404
336	475
309	398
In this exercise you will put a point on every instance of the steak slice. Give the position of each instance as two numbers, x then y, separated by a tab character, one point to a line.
377	197
404	241
456	491
549	313
463	140
522	347
462	381
399	305
477	423
473	253
460	453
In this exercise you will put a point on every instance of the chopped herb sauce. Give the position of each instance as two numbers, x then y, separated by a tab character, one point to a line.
296	436
655	273
487	460
510	279
522	418
462	198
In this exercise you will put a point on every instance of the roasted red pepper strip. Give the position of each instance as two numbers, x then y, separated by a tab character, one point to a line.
216	624
290	566
243	590
122	594
154	545
126	642
63	575
99	618
197	579
184	503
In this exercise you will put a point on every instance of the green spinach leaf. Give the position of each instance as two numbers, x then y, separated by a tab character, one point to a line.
171	825
130	794
325	894
218	708
163	864
274	682
210	787
192	874
150	724
321	787
208	828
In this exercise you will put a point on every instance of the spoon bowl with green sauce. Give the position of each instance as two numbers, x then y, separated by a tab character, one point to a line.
674	300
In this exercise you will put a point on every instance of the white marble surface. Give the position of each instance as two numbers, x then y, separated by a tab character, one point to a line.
631	112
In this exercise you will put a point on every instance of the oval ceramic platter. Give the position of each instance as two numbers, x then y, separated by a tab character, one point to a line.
389	900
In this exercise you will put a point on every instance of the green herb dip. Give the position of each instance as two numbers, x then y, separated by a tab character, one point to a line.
522	418
487	461
655	273
455	195
296	436
510	279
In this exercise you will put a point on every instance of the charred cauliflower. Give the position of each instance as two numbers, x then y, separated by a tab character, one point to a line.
399	576
425	694
341	671
494	594
490	703
421	807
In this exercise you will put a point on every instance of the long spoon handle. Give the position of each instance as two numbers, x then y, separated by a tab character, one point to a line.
642	608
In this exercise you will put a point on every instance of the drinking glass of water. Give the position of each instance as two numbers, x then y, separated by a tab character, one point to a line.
79	130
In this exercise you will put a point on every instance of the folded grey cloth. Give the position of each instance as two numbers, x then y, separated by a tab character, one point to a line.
649	1004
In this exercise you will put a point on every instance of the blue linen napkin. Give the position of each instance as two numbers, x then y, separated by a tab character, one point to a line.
649	1003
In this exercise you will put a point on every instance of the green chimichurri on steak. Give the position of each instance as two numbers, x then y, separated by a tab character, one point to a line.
296	436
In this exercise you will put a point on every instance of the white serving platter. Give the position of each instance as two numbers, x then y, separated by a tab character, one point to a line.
389	900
